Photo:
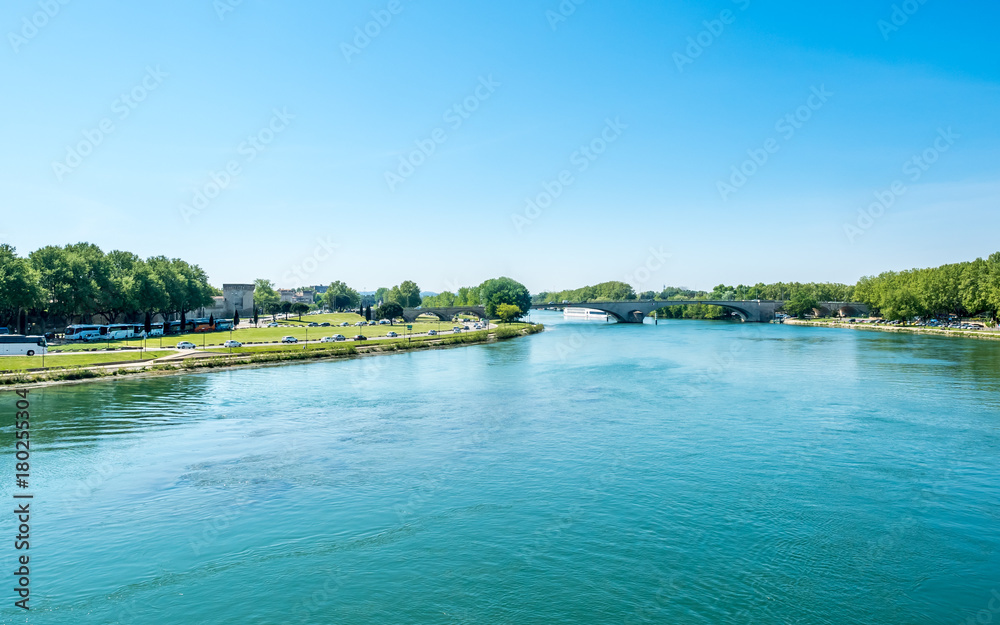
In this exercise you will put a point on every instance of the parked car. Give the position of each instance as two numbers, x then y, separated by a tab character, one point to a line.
325	324
339	337
373	323
327	339
312	324
344	324
456	329
271	325
432	333
383	322
231	343
361	337
358	324
392	335
186	345
289	339
4	330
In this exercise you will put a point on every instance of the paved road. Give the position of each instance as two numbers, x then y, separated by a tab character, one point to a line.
151	344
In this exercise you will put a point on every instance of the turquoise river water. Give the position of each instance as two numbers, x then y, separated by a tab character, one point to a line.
690	472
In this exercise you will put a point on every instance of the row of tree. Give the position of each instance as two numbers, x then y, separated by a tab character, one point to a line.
79	281
964	289
490	295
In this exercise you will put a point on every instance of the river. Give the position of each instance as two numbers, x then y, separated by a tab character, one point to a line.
689	472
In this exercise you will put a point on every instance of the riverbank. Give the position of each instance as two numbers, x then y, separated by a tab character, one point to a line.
199	361
989	335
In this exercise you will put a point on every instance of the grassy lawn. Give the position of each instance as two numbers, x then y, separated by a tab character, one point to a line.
20	363
266	335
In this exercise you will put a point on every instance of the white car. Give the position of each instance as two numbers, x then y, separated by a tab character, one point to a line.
392	335
186	345
232	344
344	324
289	339
327	339
432	333
358	324
271	325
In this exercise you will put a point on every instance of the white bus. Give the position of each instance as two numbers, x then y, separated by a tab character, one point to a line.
118	331
19	345
83	332
156	329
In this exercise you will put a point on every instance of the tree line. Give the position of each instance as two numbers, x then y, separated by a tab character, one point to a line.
965	289
79	281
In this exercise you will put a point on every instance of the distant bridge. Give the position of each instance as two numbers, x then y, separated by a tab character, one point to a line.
444	313
634	311
758	311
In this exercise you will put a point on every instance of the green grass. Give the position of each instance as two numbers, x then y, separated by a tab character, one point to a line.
71	366
266	335
22	363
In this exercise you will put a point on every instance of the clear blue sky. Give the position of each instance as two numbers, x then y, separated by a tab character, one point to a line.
553	84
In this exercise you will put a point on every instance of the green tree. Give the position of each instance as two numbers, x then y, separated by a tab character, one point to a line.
299	308
264	295
339	296
503	290
285	307
20	286
802	303
69	279
508	312
390	311
406	294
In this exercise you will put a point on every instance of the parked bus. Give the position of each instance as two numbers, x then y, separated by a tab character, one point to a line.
19	345
119	331
156	329
83	332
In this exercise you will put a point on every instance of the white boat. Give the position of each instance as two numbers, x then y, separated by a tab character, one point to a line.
588	314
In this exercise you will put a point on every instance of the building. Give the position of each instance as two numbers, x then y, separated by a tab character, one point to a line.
296	297
237	297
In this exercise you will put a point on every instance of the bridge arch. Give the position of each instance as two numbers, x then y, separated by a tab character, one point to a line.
742	313
444	313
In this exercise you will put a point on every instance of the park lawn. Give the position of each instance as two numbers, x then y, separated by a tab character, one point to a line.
259	335
333	318
267	335
21	363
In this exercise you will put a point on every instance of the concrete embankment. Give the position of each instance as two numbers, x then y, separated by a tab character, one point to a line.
205	360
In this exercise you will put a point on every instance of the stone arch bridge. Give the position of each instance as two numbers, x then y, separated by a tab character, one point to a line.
758	311
443	313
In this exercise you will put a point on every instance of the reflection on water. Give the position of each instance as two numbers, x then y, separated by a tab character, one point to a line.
685	472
